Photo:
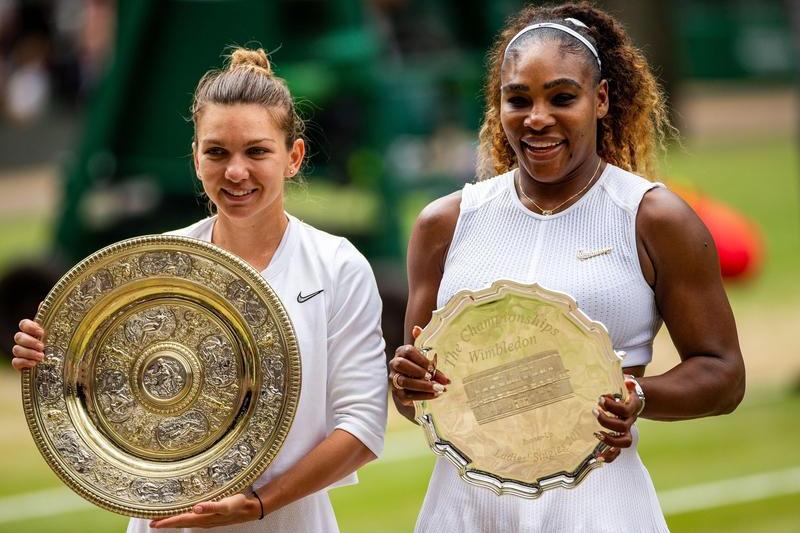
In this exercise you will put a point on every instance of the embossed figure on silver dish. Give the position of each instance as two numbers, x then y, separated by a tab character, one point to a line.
49	382
156	322
182	431
148	491
218	354
70	447
164	378
242	296
176	263
273	372
231	464
82	297
115	398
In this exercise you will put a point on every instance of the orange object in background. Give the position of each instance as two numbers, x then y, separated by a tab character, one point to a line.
738	240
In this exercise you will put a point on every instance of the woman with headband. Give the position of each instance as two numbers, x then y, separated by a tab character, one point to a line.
573	119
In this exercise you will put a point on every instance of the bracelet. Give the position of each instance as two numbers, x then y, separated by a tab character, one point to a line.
639	392
260	503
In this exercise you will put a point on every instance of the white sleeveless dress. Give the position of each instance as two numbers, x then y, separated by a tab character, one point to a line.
496	237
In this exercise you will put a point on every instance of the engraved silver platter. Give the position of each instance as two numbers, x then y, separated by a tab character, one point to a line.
171	376
527	367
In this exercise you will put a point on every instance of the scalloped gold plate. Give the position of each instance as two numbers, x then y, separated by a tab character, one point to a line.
171	376
527	367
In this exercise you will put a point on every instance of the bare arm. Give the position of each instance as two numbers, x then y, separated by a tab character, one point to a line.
335	457
680	261
332	459
427	250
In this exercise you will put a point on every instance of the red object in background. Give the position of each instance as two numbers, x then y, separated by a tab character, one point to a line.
738	240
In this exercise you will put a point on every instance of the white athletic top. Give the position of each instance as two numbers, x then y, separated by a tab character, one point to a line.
589	251
344	382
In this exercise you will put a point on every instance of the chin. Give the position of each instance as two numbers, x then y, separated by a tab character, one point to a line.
544	172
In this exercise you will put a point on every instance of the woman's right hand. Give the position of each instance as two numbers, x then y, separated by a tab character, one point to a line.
412	377
28	350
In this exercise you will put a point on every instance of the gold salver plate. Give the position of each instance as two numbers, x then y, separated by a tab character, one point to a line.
171	376
527	367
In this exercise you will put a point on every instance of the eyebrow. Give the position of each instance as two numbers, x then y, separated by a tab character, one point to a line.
562	81
212	140
521	87
515	87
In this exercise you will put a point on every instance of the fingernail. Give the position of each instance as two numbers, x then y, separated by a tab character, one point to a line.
601	400
40	347
601	459
596	412
438	387
428	376
598	435
198	508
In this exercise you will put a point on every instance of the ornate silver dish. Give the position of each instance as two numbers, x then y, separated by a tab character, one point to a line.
527	367
171	376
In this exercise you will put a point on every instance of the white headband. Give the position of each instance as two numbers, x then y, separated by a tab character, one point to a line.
560	27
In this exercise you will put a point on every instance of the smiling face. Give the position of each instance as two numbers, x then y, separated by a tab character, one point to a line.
550	104
242	160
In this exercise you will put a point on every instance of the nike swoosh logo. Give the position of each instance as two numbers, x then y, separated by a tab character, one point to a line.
583	255
303	299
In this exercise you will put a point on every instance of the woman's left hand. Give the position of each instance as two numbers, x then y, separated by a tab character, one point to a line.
231	510
617	417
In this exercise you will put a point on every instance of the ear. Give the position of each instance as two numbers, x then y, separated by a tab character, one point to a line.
196	160
296	155
601	97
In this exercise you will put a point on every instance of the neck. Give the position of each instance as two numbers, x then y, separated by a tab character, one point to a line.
559	195
255	241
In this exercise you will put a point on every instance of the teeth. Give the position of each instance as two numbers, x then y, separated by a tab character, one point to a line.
542	145
238	193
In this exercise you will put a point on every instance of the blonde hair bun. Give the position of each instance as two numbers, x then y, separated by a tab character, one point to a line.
247	58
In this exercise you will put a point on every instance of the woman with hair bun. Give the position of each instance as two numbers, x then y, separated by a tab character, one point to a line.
248	141
573	114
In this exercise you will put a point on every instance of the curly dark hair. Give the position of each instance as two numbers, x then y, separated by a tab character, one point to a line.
637	122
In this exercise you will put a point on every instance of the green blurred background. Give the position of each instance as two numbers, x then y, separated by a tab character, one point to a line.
94	147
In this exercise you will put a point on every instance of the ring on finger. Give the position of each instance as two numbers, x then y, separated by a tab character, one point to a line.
395	383
432	365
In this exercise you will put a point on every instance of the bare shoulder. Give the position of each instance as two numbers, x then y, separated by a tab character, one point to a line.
665	216
674	238
437	221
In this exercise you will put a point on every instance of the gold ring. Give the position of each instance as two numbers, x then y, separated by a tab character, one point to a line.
394	381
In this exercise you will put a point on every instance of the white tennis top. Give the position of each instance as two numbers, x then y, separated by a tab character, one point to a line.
587	251
344	382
